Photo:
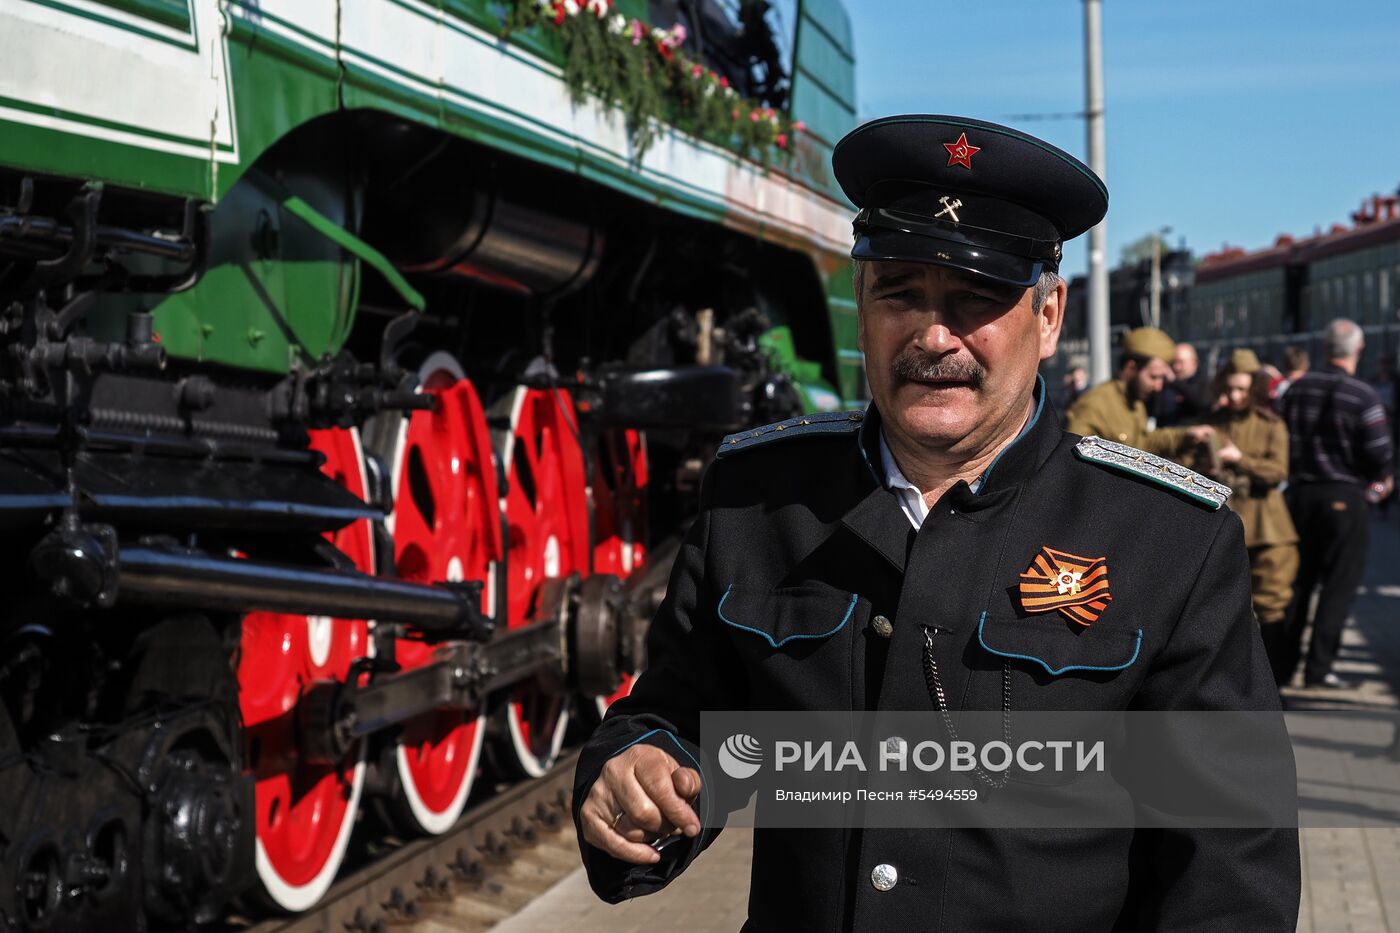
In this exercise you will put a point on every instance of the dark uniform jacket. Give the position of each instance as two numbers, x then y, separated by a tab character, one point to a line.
797	529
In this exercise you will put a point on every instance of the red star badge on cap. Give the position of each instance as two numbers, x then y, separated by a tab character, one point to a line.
961	152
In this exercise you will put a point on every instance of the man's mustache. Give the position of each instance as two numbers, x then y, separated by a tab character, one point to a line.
915	366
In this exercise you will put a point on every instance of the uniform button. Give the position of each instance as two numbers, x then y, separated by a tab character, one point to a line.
882	626
884	877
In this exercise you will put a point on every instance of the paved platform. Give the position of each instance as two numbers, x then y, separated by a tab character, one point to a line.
1351	876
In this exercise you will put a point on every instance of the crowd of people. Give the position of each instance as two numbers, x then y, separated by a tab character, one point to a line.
1307	451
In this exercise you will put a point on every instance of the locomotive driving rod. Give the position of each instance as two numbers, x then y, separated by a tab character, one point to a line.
460	676
200	580
333	715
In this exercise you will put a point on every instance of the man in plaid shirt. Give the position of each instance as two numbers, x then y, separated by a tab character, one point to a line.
1339	459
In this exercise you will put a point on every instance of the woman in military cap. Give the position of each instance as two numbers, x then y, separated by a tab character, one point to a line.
1253	460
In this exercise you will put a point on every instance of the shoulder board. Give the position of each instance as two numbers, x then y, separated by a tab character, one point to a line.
1154	469
824	422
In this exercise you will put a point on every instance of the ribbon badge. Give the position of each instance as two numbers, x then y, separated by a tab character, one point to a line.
1077	586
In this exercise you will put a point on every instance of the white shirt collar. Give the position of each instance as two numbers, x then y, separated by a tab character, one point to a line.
911	498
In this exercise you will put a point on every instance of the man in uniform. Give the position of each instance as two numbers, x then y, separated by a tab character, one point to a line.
1186	399
870	561
1117	409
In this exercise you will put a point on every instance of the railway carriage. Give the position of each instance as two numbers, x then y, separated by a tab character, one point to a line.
1286	294
360	361
1267	299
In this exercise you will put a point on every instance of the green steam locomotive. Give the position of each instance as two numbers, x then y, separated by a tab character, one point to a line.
360	362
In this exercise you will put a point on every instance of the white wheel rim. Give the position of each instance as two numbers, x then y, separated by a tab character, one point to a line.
533	765
438	822
318	639
552	557
295	898
626	536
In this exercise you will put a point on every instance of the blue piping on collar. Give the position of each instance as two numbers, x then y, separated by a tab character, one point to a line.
719	610
1056	671
1039	406
860	442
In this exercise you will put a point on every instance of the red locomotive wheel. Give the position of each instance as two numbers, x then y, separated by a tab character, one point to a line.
624	687
619	518
546	505
446	526
619	502
304	810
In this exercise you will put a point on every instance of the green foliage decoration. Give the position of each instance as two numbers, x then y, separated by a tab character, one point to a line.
644	71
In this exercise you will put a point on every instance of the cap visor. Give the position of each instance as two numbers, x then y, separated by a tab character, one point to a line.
908	247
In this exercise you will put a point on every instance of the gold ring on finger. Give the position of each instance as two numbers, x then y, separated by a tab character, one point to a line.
620	815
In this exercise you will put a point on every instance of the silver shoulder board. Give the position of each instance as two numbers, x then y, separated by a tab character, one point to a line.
823	422
1153	468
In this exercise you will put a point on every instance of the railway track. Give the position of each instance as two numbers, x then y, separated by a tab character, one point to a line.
501	854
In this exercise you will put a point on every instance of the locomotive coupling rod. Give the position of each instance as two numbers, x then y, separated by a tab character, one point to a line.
448	681
199	580
334	715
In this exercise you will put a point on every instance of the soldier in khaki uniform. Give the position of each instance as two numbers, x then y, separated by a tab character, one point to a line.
1117	409
1253	455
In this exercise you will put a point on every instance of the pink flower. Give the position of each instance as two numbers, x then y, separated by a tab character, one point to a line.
753	116
678	35
638	31
734	113
696	71
723	81
781	140
799	126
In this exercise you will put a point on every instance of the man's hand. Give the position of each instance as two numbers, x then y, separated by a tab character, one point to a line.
642	793
1200	433
1379	490
1230	454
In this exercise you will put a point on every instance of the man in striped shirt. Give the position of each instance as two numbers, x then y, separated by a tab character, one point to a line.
1339	459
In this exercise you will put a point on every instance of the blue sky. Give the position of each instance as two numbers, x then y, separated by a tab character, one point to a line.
1227	121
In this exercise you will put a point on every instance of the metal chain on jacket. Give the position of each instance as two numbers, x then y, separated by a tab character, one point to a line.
935	691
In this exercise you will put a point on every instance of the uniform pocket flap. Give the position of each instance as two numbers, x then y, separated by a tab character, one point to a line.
787	614
1058	649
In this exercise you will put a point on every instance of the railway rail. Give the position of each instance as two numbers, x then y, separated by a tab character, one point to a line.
465	879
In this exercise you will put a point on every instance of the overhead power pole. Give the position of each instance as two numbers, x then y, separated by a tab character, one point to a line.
1155	287
1154	316
1099	350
